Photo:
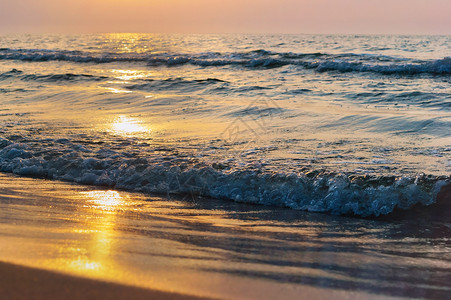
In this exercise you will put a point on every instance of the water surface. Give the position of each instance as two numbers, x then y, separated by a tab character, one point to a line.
342	124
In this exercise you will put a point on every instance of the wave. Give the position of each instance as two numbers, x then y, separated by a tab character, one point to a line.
320	62
256	111
10	74
62	77
42	55
313	190
174	83
436	67
421	98
14	73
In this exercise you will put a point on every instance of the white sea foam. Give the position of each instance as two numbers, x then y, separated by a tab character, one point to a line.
322	192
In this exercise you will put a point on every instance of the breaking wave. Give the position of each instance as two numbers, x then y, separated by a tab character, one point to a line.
317	191
320	62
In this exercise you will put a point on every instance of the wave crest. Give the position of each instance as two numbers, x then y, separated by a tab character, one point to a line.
317	191
320	62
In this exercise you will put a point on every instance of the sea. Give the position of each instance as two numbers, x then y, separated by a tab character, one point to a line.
355	125
230	166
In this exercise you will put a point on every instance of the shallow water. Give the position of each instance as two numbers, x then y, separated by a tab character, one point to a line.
342	124
220	249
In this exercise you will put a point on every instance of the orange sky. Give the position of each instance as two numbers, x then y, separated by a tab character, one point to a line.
215	16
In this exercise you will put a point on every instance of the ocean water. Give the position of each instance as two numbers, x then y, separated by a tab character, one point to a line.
349	124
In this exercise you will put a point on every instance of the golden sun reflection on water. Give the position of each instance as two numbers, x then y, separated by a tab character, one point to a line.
126	75
128	126
118	91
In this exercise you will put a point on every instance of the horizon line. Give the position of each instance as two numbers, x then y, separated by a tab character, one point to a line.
222	33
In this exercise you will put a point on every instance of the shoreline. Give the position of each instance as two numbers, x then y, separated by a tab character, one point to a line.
132	244
438	207
22	282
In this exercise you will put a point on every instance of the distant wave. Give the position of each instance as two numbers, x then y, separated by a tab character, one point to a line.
314	190
320	62
436	67
41	55
14	73
174	83
62	77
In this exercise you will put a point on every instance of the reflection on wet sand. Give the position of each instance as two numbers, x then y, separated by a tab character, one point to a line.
95	256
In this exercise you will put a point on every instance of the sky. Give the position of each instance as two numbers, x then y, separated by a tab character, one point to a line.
226	16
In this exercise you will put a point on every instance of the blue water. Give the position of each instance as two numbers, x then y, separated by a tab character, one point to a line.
342	124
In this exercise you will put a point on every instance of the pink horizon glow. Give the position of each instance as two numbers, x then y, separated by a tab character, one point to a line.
232	16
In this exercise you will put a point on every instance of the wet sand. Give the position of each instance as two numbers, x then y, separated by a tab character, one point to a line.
80	237
19	282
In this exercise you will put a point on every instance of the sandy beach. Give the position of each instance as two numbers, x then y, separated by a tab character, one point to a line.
19	282
75	241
